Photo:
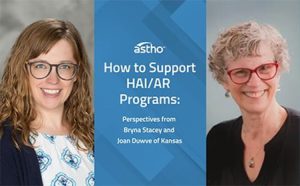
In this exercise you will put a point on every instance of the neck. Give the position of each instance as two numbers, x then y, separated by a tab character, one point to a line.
51	122
263	126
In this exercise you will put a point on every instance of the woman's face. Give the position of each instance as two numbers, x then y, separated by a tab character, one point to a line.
256	95
51	92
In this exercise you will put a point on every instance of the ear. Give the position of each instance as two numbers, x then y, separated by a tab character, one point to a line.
278	81
225	85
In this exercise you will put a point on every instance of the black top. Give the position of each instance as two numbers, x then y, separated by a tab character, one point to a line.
17	167
225	153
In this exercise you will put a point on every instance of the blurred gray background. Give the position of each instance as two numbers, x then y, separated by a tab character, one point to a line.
283	15
15	15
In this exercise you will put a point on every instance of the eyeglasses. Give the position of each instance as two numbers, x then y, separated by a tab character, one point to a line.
42	69
265	71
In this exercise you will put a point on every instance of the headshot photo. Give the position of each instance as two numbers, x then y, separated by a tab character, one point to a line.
253	119
46	105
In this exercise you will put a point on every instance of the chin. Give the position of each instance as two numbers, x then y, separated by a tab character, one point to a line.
254	108
51	106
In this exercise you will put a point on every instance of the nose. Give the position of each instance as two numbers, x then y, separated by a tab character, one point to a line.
254	80
53	78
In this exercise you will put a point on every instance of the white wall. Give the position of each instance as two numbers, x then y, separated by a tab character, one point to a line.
284	16
15	15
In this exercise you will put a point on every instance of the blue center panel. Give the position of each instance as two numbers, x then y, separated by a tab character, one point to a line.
150	92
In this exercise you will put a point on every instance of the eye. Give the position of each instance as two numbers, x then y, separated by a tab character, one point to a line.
240	72
40	66
65	66
265	68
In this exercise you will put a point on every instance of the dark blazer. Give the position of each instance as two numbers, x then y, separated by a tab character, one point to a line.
17	167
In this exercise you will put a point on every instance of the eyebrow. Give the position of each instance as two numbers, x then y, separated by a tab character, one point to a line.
266	62
60	62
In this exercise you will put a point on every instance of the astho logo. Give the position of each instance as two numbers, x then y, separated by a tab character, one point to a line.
148	48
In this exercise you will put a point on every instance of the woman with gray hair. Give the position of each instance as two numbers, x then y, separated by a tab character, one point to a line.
261	147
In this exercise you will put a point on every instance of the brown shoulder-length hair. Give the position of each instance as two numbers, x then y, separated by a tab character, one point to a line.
16	102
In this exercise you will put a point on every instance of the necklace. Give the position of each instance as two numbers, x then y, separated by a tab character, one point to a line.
251	162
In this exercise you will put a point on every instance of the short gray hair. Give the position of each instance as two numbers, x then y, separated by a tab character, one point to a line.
243	40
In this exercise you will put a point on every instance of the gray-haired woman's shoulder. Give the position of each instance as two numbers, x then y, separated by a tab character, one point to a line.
225	127
293	115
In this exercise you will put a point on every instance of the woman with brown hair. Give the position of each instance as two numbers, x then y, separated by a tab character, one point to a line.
47	131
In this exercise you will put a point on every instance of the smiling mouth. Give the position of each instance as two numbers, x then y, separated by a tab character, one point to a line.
255	94
51	91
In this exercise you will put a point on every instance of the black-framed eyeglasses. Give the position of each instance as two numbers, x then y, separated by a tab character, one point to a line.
265	72
42	69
